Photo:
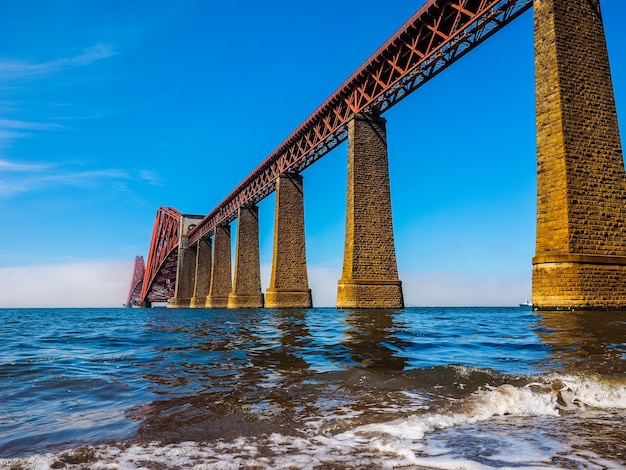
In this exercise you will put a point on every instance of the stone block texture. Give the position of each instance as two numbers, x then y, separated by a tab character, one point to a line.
221	271
370	273
185	275
203	273
185	265
246	291
289	282
581	186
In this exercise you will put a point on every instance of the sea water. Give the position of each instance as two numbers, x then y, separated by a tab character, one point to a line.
473	388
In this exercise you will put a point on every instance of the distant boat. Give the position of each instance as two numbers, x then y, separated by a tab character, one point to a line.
526	304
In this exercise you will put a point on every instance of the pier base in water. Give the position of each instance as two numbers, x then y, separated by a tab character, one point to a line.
370	273
580	261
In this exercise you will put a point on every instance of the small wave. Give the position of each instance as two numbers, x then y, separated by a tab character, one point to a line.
495	426
551	395
541	396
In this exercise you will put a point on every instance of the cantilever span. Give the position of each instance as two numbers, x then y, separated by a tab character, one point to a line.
139	271
581	184
160	272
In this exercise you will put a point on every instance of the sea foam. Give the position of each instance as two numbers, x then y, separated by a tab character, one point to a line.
502	419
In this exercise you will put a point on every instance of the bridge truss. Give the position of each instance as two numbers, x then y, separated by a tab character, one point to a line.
437	35
160	272
139	271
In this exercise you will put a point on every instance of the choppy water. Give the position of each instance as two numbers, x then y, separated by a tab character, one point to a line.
319	388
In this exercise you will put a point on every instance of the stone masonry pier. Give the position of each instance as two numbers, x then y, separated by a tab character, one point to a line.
580	260
289	284
370	275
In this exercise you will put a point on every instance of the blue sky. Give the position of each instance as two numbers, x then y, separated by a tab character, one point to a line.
110	109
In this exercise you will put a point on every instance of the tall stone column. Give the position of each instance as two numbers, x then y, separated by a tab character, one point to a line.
246	291
221	274
203	273
289	283
370	273
185	273
580	260
185	265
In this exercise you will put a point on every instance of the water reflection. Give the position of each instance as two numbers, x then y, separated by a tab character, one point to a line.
249	372
585	342
272	344
224	374
372	341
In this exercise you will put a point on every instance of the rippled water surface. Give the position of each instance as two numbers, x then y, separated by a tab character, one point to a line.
317	388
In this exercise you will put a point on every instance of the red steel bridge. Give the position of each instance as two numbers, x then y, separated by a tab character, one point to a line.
438	34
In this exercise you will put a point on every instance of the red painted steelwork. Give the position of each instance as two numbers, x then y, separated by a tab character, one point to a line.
436	36
139	271
165	236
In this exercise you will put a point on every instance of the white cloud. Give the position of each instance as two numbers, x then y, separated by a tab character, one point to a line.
11	69
6	165
16	184
86	284
35	177
84	178
8	189
92	54
150	177
11	130
25	125
7	135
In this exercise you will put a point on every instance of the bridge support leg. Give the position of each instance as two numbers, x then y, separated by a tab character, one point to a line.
203	273
580	260
221	275
289	283
247	284
185	275
370	273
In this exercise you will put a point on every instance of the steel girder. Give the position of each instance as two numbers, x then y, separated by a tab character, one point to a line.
438	34
165	239
139	271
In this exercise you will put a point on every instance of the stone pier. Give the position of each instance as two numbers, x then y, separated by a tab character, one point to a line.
580	260
247	291
203	273
221	275
289	283
186	265
370	273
